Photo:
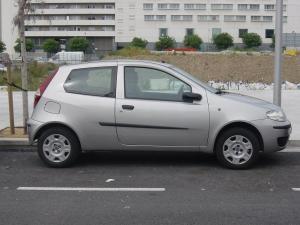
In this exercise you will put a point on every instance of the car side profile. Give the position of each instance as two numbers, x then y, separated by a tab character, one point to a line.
145	105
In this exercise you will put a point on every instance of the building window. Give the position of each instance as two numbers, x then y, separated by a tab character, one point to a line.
269	33
163	32
254	7
255	18
270	7
161	17
267	18
242	32
232	18
174	6
285	18
149	17
189	31
148	6
194	6
162	6
250	7
221	6
182	18
211	18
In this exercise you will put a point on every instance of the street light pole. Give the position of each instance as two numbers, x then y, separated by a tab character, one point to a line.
278	53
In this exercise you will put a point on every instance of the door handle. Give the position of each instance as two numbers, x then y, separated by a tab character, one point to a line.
128	107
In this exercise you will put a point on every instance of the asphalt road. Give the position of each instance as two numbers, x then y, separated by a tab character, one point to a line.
194	190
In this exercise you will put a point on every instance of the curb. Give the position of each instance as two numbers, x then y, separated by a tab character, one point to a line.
22	145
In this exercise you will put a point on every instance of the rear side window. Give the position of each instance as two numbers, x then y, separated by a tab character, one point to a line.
92	81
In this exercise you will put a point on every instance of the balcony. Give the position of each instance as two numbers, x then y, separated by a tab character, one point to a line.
69	22
84	11
69	33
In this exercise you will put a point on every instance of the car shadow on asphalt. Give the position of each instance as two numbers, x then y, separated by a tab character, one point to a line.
181	159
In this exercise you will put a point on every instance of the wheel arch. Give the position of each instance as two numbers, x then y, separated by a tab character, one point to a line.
240	124
55	125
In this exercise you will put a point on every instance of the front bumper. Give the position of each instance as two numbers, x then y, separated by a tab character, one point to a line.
275	135
33	126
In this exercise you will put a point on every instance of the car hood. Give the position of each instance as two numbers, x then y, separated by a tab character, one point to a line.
250	100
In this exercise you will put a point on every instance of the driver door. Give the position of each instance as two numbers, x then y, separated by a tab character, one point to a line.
152	112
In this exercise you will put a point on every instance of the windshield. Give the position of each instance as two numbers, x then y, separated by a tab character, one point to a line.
193	78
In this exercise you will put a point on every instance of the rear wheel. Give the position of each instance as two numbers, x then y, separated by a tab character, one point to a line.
237	148
58	147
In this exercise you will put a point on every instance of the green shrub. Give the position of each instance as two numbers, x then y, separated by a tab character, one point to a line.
192	41
165	42
78	44
130	52
223	41
252	40
138	43
29	45
2	47
51	45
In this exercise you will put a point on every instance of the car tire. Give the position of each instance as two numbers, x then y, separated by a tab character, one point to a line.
58	147
237	148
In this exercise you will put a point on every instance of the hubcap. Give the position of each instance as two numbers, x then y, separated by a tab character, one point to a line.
237	149
56	148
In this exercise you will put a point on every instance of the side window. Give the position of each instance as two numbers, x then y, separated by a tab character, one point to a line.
152	84
92	81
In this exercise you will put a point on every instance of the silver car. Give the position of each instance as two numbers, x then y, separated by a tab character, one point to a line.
144	105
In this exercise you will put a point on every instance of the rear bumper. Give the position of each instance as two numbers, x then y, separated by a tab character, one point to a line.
275	135
33	126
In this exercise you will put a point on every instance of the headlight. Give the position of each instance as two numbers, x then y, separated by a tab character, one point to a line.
276	115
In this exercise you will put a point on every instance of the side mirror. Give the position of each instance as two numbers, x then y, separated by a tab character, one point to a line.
191	97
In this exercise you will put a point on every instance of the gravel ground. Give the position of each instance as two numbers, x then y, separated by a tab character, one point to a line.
231	67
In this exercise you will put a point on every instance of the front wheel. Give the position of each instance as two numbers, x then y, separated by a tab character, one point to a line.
58	147
237	148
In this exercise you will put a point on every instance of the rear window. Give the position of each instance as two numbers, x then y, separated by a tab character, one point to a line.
92	81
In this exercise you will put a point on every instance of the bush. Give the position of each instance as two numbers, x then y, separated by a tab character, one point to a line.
192	41
2	47
130	52
78	44
51	45
164	43
138	43
29	45
223	41
252	40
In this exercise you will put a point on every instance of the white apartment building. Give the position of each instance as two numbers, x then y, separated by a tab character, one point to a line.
113	23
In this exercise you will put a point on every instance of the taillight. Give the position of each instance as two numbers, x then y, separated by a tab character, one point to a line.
43	87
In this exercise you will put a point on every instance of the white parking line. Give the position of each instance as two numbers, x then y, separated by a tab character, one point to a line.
90	189
296	189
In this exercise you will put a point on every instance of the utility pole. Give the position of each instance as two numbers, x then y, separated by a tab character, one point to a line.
278	53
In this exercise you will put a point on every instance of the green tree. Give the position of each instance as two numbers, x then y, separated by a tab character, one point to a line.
51	45
252	40
223	41
164	43
192	41
29	45
138	43
2	47
78	44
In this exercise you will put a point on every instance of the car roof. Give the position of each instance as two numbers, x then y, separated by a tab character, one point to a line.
117	61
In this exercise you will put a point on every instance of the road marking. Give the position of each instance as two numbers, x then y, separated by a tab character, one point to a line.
296	189
90	189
